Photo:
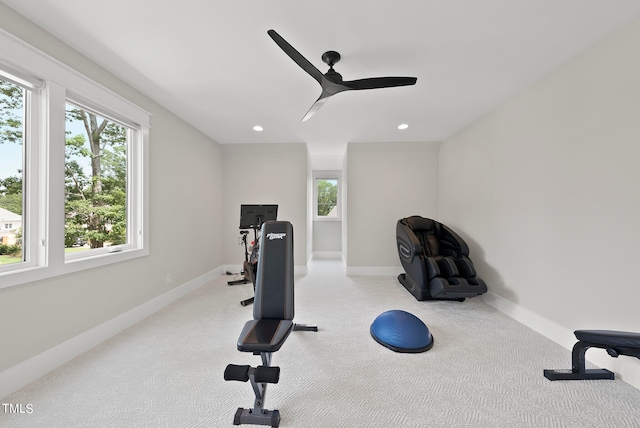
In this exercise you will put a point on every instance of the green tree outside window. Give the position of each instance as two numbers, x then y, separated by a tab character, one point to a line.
95	180
327	197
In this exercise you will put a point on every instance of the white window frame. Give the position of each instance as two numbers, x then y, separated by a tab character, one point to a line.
43	214
133	188
327	175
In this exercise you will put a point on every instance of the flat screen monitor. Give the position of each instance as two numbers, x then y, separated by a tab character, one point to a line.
252	216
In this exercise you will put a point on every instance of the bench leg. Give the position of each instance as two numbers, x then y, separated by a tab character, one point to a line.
252	417
578	370
258	415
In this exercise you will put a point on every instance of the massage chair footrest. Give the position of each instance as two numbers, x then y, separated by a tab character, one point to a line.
261	374
255	417
421	293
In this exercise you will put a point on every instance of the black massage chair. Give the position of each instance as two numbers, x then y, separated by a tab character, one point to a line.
436	261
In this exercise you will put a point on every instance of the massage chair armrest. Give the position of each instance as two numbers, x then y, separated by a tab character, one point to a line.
454	242
408	245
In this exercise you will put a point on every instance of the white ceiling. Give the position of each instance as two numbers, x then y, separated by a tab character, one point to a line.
213	64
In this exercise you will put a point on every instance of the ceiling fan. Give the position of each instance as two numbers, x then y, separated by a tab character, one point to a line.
331	81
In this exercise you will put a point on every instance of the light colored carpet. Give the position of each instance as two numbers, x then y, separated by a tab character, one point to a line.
485	369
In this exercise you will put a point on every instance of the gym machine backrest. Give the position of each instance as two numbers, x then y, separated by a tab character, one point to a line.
273	312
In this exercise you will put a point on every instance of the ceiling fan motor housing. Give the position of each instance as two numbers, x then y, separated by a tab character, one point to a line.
330	58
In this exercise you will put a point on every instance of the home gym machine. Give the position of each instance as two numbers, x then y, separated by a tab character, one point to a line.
252	217
246	275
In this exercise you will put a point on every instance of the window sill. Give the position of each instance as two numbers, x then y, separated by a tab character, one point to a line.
327	219
38	273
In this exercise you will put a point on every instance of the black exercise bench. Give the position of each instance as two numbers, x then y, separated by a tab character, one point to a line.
615	342
272	320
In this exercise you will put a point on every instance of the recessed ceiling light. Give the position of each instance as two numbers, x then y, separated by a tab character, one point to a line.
403	126
258	128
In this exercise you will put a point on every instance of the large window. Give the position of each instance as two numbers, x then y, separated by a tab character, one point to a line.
95	181
73	170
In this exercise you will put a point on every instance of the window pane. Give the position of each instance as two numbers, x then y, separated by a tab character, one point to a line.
327	197
95	181
12	107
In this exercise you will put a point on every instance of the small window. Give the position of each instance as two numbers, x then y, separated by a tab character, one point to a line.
327	197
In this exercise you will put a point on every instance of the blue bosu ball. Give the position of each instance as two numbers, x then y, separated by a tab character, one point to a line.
401	331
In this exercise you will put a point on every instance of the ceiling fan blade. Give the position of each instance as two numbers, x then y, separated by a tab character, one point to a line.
315	107
380	82
296	56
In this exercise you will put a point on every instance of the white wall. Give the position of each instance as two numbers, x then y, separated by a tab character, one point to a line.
386	182
547	191
265	174
327	236
185	217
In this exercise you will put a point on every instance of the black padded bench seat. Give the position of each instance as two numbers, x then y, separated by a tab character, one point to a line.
264	335
615	342
611	339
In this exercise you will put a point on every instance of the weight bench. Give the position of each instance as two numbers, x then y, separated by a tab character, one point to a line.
272	320
615	342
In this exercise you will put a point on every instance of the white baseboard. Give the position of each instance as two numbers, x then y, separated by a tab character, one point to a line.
22	374
235	269
625	368
327	255
542	325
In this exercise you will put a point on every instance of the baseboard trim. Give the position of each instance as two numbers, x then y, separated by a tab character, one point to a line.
542	325
327	255
626	369
22	374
